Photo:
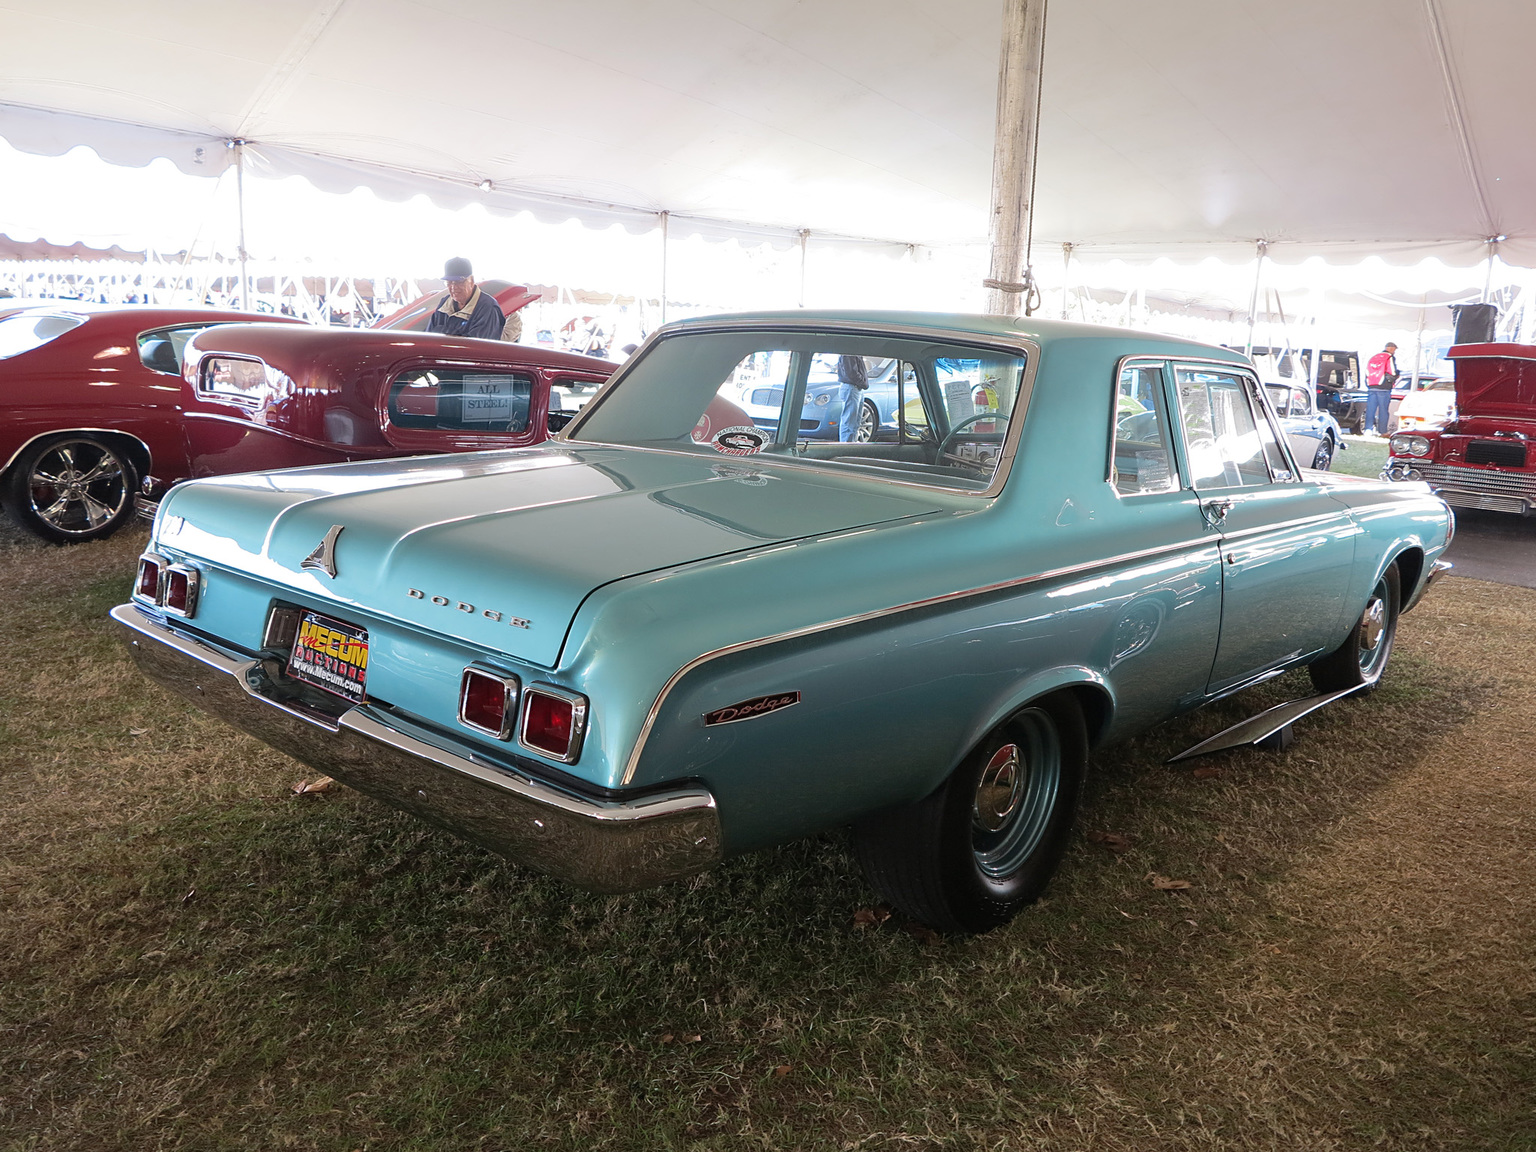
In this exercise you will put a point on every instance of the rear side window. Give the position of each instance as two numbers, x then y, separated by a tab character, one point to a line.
464	401
28	330
1142	462
1221	436
161	349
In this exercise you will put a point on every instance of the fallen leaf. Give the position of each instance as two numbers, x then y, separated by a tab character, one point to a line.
693	1039
668	1038
1164	884
1208	773
138	731
923	933
309	787
1116	842
782	1070
871	917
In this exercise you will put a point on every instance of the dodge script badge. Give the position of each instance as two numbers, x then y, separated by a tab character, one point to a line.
748	709
323	558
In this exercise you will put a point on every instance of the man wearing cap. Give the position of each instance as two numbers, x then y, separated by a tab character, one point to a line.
466	311
1380	375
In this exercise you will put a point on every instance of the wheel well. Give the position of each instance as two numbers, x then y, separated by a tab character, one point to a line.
1097	708
131	446
1410	564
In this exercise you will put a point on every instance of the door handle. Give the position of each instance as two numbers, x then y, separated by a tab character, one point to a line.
1215	512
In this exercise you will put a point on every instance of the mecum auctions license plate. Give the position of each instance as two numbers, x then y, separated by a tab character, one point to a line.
332	655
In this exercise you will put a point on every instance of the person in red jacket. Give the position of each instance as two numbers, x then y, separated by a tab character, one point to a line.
1380	375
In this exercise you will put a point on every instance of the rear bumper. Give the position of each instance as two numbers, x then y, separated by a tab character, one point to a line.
597	845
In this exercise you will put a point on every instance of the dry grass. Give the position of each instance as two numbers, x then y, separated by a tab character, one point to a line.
192	958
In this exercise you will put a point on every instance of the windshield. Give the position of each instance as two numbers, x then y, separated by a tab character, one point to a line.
907	408
28	330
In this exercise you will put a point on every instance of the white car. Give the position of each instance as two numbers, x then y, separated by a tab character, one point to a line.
1431	406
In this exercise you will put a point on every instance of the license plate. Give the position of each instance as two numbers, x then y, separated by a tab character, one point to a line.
332	655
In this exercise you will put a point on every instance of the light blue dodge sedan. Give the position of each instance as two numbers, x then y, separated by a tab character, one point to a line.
676	633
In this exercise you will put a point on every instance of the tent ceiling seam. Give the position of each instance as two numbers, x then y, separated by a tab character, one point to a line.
282	78
1458	114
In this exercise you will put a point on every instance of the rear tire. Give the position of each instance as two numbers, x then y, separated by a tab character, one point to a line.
869	423
969	856
72	488
1323	459
1362	658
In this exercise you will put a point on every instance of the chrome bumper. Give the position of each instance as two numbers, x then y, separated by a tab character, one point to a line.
600	846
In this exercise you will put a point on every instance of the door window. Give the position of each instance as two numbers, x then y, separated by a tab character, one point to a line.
1221	435
461	400
1142	462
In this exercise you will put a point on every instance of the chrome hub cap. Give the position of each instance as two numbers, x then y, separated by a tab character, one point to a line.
997	796
1372	625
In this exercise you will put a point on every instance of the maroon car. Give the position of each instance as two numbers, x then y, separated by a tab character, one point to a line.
91	399
276	396
1482	458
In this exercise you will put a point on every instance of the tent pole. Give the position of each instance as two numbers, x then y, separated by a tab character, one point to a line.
666	218
1253	301
1016	141
245	283
805	241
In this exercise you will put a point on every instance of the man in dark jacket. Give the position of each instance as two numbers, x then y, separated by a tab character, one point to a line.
465	310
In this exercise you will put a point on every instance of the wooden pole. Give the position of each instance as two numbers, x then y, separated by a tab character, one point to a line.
1013	156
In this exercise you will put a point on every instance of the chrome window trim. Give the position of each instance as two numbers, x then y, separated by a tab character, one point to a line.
579	707
148	455
1176	473
512	687
194	590
1020	345
630	766
204	391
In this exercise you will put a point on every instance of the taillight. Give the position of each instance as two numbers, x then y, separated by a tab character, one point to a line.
554	722
181	588
147	585
488	702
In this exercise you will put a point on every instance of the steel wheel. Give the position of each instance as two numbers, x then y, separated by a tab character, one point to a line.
1015	796
970	855
1362	658
72	489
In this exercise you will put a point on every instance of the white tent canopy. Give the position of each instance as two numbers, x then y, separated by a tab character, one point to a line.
1192	128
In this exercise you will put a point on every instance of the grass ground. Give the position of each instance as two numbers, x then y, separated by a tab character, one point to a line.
192	957
1361	457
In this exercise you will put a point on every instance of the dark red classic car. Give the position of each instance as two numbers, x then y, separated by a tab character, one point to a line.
1482	458
276	396
91	398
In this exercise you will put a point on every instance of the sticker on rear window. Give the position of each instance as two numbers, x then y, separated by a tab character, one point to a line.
739	440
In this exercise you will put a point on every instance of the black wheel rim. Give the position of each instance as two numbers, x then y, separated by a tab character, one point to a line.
1374	633
1016	796
77	487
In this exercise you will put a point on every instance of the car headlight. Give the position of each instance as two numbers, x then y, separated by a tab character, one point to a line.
822	399
1410	445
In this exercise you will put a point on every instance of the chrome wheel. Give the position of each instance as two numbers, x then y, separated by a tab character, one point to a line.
1016	795
72	489
1323	460
1372	634
1360	661
869	420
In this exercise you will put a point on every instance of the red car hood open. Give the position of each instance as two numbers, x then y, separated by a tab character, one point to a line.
1497	380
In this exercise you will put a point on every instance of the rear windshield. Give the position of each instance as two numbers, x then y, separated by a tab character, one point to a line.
902	407
28	330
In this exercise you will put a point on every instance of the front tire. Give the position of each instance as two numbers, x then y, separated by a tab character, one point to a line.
1323	460
1362	658
971	855
70	489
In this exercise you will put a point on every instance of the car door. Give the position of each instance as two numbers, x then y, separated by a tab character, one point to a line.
1287	546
